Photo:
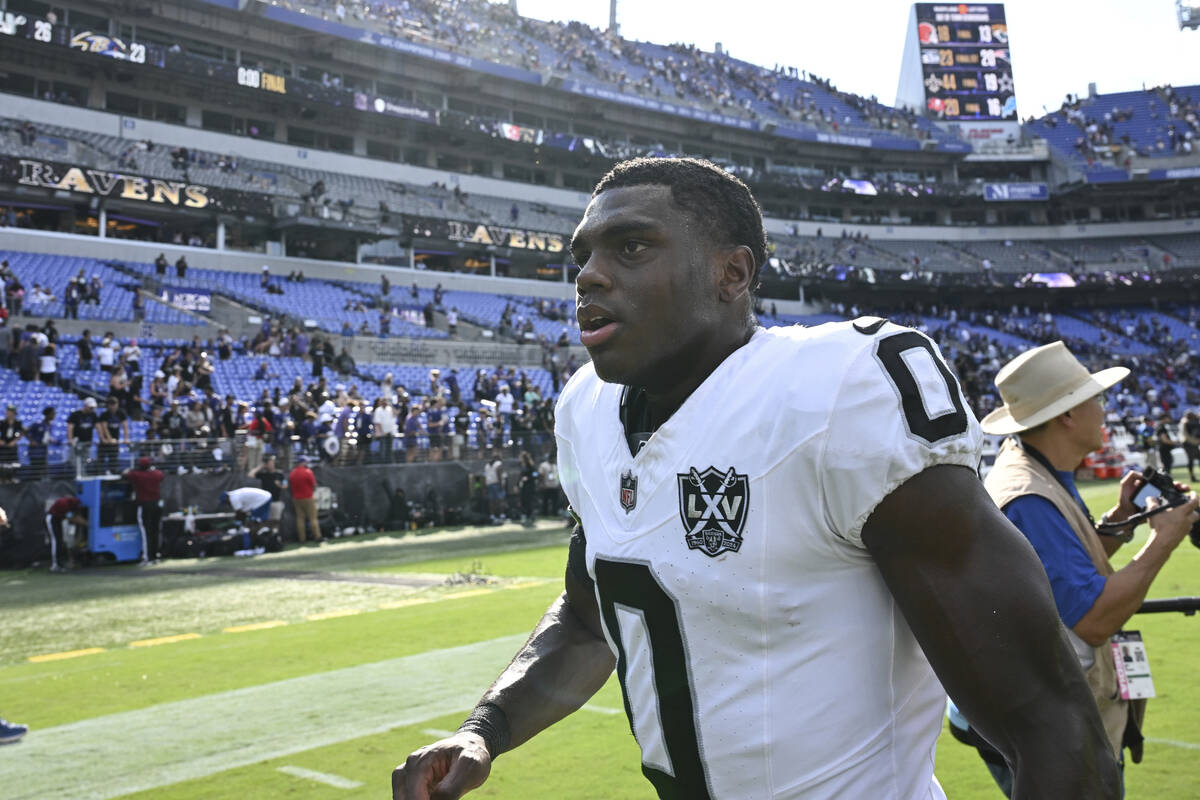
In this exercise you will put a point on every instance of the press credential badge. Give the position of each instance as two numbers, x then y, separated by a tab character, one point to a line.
1133	668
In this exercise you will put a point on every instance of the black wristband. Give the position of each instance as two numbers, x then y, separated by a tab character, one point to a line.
490	722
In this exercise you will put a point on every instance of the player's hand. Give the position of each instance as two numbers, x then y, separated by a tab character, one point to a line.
1172	526
444	770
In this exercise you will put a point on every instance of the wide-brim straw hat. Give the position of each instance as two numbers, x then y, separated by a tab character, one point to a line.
1042	383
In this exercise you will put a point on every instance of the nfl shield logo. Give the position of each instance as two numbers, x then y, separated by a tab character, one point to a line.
713	506
628	490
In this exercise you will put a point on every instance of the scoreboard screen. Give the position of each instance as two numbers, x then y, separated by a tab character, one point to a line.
966	65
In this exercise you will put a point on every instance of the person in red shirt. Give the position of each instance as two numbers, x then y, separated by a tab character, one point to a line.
70	509
302	484
147	493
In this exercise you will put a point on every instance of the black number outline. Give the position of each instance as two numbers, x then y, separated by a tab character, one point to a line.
888	352
634	585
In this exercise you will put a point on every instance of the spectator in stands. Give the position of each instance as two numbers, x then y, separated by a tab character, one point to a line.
452	322
72	296
38	436
113	428
160	265
303	483
344	363
80	426
28	352
11	431
505	404
199	420
147	493
384	427
48	365
118	385
84	349
204	372
412	431
106	353
181	267
174	422
68	510
92	293
131	356
316	352
159	393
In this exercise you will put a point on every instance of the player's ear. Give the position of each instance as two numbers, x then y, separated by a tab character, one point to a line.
737	270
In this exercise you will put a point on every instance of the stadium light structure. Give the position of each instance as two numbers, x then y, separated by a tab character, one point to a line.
1189	13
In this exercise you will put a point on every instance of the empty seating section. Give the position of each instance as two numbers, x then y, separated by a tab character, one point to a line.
53	272
928	256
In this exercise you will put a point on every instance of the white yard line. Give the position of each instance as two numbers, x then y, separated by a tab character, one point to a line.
164	744
602	709
1174	743
438	733
336	781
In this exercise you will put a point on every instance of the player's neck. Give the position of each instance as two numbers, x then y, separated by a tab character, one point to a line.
663	401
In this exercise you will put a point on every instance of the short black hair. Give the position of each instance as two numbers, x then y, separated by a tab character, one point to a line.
720	202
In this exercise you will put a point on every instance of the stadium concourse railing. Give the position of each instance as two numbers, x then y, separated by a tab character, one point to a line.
242	453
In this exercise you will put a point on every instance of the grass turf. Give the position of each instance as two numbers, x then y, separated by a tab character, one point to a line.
587	755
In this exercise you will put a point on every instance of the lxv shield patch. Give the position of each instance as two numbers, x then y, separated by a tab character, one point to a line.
713	505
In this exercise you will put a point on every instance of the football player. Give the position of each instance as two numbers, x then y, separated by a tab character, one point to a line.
784	548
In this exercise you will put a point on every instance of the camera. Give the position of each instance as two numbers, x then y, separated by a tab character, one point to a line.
1172	496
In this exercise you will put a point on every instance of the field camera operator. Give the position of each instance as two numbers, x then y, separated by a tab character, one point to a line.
1055	409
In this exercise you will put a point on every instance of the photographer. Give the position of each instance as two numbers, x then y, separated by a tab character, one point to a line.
1055	407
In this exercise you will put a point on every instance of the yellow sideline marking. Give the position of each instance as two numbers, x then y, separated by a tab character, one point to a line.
344	612
416	601
254	626
66	654
524	584
182	637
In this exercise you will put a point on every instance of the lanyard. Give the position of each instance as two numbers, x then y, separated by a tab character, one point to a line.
1039	457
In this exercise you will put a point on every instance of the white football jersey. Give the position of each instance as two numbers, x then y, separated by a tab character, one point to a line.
759	650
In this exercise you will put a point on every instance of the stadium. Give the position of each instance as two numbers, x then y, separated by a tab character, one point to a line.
241	239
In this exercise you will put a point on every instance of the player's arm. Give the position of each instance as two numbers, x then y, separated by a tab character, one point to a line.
70	432
565	661
976	596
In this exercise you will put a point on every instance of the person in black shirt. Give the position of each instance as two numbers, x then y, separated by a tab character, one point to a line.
113	428
85	349
181	267
273	481
160	265
39	436
1189	427
174	424
80	425
11	430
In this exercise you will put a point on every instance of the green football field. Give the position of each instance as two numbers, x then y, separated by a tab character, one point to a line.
311	673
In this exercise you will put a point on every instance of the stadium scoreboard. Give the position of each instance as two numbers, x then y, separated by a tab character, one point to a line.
966	64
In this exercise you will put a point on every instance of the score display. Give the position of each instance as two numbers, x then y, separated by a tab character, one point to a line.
966	65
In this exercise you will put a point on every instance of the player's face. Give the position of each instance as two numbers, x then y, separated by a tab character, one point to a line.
647	287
